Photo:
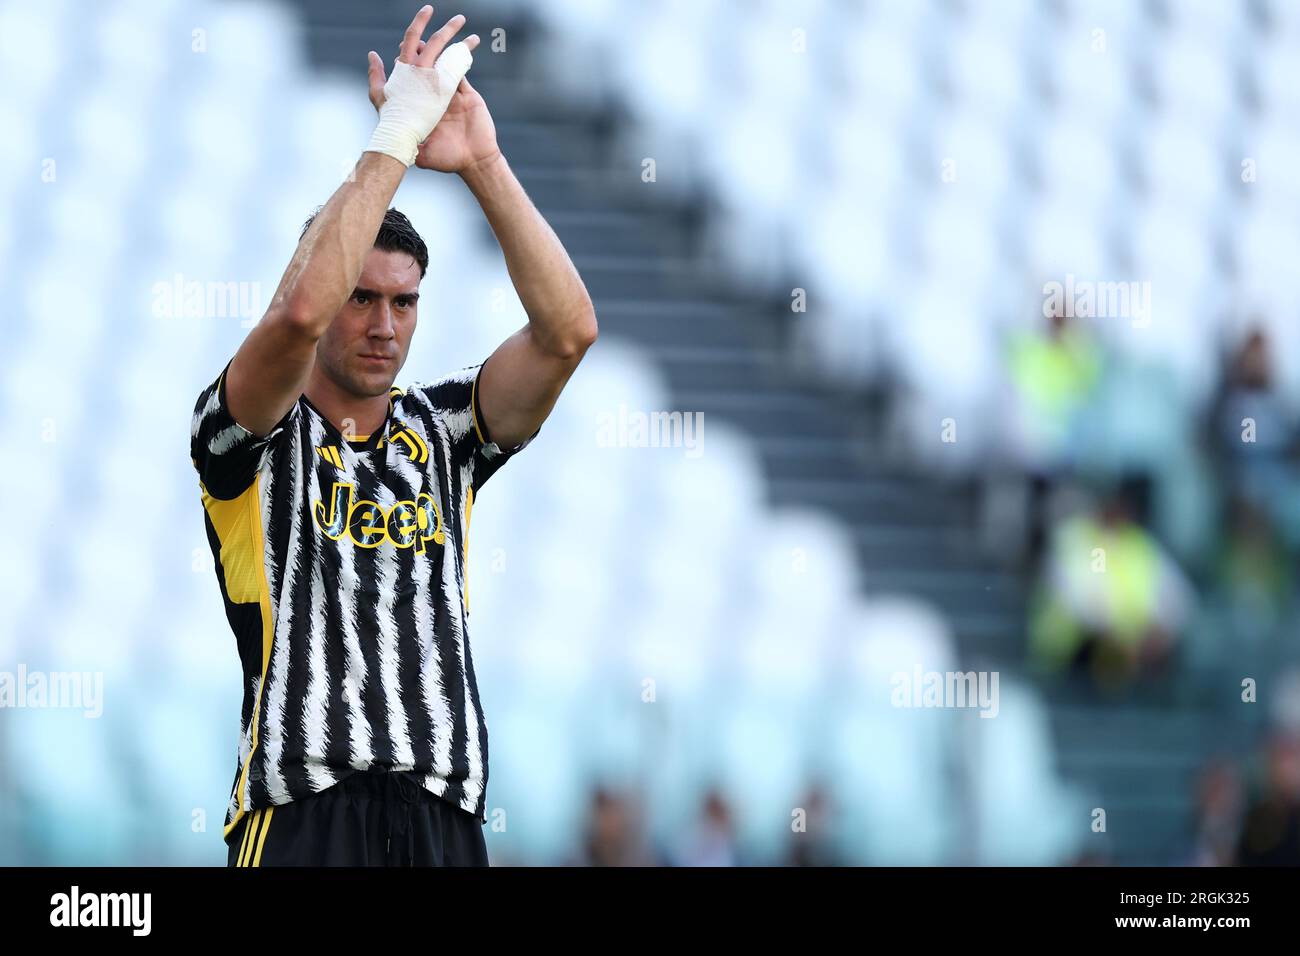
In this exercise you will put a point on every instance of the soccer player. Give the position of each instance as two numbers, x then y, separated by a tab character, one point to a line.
337	506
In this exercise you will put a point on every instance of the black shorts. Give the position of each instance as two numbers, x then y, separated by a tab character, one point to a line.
371	818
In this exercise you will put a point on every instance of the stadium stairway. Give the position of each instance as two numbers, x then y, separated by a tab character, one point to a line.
1140	762
725	352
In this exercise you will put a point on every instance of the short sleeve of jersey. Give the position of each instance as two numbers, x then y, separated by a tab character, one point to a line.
455	398
227	455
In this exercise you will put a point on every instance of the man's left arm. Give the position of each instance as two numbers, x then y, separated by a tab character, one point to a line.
521	381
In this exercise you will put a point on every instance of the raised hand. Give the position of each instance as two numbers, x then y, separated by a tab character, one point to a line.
425	79
465	135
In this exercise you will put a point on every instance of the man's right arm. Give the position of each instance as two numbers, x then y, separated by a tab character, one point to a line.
271	368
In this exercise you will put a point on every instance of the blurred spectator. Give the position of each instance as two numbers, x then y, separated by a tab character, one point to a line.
1253	429
815	846
1270	835
614	836
712	841
1254	577
1218	815
1111	601
1052	373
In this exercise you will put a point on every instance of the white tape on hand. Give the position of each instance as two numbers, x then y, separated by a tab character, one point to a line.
415	97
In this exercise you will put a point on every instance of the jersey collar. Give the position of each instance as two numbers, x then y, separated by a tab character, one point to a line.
367	443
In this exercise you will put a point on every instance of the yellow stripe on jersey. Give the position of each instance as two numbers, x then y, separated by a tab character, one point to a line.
250	834
238	524
241	563
243	843
464	564
473	410
261	840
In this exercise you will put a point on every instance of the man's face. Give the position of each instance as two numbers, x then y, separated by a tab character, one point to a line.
365	346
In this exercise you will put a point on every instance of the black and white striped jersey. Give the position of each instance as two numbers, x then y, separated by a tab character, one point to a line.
342	567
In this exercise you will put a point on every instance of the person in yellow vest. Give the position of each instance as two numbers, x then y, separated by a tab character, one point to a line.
1052	374
1111	601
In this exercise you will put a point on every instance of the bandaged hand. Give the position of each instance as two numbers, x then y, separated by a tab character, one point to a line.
415	98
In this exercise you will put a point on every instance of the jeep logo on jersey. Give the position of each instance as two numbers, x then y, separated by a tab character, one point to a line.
369	524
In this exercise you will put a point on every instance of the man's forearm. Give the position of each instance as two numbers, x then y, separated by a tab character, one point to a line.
559	309
330	256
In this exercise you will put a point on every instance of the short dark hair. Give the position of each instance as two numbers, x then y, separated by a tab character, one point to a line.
396	234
